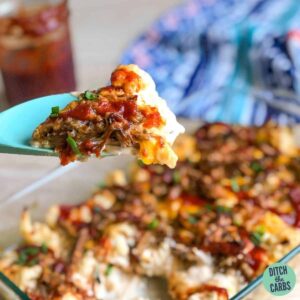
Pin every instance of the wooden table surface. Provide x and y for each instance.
(101, 30)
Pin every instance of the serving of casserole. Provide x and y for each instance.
(204, 230)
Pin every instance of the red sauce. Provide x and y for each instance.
(126, 108)
(66, 156)
(88, 111)
(193, 200)
(129, 81)
(222, 292)
(223, 248)
(153, 117)
(65, 211)
(89, 147)
(256, 257)
(82, 111)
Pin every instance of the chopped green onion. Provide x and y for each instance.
(44, 248)
(192, 220)
(256, 237)
(256, 167)
(176, 177)
(234, 185)
(22, 258)
(223, 209)
(140, 163)
(31, 251)
(101, 184)
(260, 229)
(29, 255)
(108, 270)
(96, 209)
(54, 111)
(237, 223)
(73, 145)
(153, 224)
(208, 207)
(90, 95)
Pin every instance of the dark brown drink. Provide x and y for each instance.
(35, 51)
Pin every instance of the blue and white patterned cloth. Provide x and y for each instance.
(235, 61)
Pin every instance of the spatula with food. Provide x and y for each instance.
(126, 116)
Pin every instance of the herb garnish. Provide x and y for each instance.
(54, 111)
(176, 177)
(28, 256)
(208, 207)
(101, 184)
(90, 95)
(44, 248)
(108, 270)
(192, 220)
(223, 209)
(73, 145)
(257, 235)
(256, 167)
(140, 163)
(234, 185)
(153, 224)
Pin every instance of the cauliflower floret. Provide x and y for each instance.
(275, 232)
(183, 280)
(82, 277)
(114, 283)
(69, 296)
(111, 285)
(40, 233)
(26, 277)
(208, 295)
(226, 281)
(52, 215)
(104, 199)
(287, 142)
(122, 237)
(116, 177)
(156, 261)
(7, 258)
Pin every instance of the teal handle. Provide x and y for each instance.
(12, 288)
(18, 123)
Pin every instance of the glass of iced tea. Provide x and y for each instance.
(35, 49)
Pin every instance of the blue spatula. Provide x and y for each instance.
(18, 123)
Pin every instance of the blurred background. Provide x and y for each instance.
(218, 60)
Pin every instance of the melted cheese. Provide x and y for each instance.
(155, 150)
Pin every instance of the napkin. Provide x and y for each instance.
(226, 60)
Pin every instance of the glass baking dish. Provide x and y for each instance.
(75, 183)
